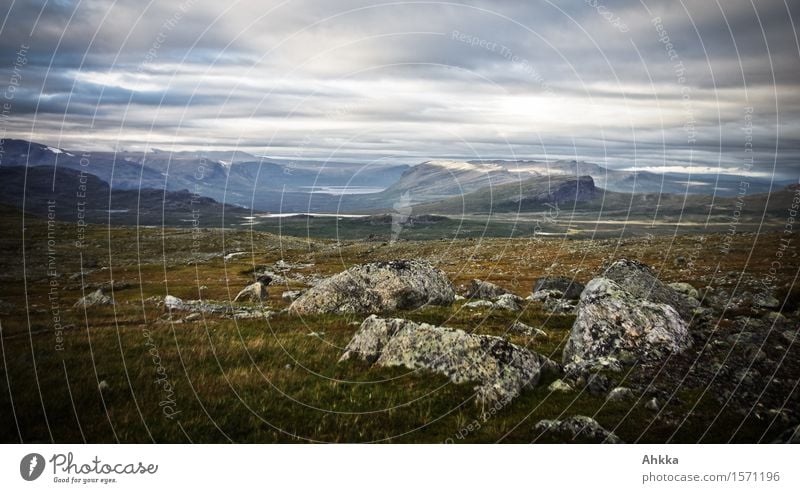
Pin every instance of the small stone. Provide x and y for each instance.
(192, 317)
(684, 288)
(597, 384)
(254, 293)
(652, 405)
(580, 429)
(560, 386)
(479, 304)
(618, 394)
(766, 301)
(484, 290)
(508, 302)
(103, 386)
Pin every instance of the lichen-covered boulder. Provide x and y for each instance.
(484, 290)
(500, 369)
(580, 429)
(254, 293)
(510, 302)
(637, 279)
(570, 289)
(95, 298)
(612, 322)
(378, 287)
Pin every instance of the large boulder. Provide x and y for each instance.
(580, 429)
(613, 322)
(501, 369)
(637, 279)
(484, 290)
(378, 287)
(255, 293)
(95, 298)
(570, 289)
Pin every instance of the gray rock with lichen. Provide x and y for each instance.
(570, 289)
(611, 321)
(510, 302)
(253, 293)
(95, 298)
(500, 369)
(484, 290)
(581, 429)
(639, 280)
(378, 287)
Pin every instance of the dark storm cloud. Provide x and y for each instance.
(588, 78)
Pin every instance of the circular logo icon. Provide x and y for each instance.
(31, 467)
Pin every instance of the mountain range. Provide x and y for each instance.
(246, 183)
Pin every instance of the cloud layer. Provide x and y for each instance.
(690, 84)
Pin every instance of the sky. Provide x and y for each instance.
(700, 86)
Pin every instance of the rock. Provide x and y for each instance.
(483, 290)
(685, 289)
(252, 314)
(560, 386)
(560, 306)
(789, 336)
(570, 289)
(177, 304)
(764, 300)
(192, 317)
(173, 302)
(508, 301)
(652, 405)
(103, 386)
(775, 317)
(254, 293)
(597, 384)
(290, 296)
(522, 328)
(458, 297)
(265, 279)
(620, 394)
(501, 369)
(637, 279)
(545, 295)
(95, 298)
(378, 287)
(612, 322)
(479, 304)
(581, 429)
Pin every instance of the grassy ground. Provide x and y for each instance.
(278, 380)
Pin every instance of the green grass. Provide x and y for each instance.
(269, 380)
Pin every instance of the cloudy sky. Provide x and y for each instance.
(652, 84)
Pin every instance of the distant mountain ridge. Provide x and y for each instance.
(285, 185)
